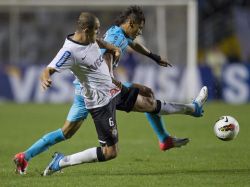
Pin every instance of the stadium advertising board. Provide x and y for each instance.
(22, 84)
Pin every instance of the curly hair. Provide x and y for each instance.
(133, 13)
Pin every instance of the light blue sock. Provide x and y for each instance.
(44, 143)
(158, 126)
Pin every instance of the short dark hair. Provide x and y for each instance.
(86, 20)
(133, 13)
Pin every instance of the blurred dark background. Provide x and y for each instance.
(31, 35)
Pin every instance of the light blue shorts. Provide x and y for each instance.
(78, 109)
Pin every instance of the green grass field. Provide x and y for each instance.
(205, 161)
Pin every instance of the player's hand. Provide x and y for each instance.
(164, 63)
(45, 79)
(159, 60)
(46, 83)
(117, 54)
(144, 90)
(116, 82)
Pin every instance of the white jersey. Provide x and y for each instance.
(87, 64)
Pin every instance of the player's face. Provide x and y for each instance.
(92, 34)
(135, 29)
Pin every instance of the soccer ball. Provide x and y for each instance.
(226, 128)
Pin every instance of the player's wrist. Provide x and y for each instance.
(116, 82)
(154, 57)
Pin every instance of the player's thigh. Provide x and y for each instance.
(127, 98)
(78, 110)
(144, 90)
(144, 104)
(105, 123)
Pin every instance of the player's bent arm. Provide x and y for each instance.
(115, 51)
(46, 77)
(139, 48)
(144, 51)
(144, 90)
(109, 61)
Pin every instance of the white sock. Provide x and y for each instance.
(176, 108)
(86, 156)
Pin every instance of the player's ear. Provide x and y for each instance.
(131, 23)
(85, 30)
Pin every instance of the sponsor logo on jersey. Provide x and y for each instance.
(97, 63)
(63, 59)
(114, 91)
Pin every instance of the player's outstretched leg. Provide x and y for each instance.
(94, 154)
(76, 115)
(44, 143)
(199, 102)
(194, 109)
(157, 124)
(21, 159)
(165, 140)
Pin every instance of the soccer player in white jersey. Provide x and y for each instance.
(78, 112)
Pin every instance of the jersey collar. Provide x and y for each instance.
(70, 39)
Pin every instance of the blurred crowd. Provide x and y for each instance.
(33, 36)
(224, 28)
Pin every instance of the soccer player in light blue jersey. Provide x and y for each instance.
(127, 27)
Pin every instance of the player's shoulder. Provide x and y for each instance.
(73, 46)
(115, 31)
(69, 44)
(67, 50)
(114, 34)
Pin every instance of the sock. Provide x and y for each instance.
(158, 126)
(176, 108)
(100, 155)
(44, 143)
(86, 156)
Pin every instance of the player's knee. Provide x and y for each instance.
(110, 152)
(150, 101)
(111, 155)
(71, 128)
(148, 104)
(68, 135)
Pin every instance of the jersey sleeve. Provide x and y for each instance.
(129, 40)
(117, 40)
(62, 61)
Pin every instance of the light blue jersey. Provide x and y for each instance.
(116, 36)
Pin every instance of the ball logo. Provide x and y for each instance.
(229, 127)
